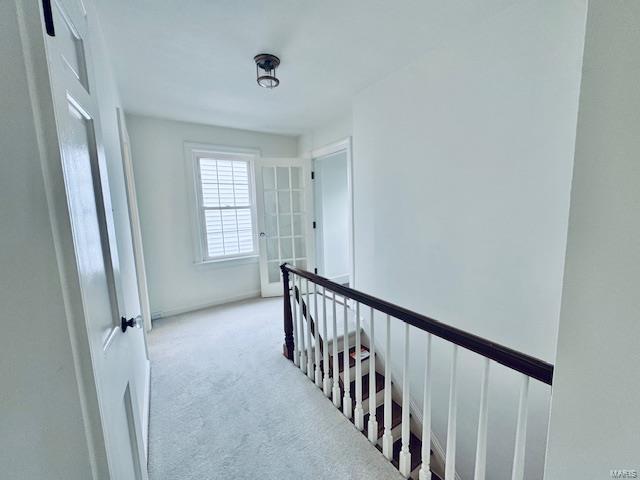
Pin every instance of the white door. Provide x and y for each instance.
(282, 220)
(117, 356)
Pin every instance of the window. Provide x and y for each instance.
(225, 200)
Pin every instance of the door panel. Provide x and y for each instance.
(281, 218)
(79, 166)
(70, 41)
(88, 199)
(123, 438)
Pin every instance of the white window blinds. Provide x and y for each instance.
(227, 207)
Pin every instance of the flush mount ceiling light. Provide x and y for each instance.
(266, 65)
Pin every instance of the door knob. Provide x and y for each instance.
(262, 235)
(132, 322)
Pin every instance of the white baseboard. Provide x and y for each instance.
(192, 308)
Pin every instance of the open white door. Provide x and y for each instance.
(118, 357)
(282, 218)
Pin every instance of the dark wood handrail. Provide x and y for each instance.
(526, 364)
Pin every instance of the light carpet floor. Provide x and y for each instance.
(225, 404)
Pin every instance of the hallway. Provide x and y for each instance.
(226, 404)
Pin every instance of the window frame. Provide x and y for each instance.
(194, 152)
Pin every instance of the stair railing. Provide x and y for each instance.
(301, 351)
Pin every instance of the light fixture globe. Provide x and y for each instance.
(266, 65)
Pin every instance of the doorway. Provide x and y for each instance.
(332, 201)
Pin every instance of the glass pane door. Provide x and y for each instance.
(283, 233)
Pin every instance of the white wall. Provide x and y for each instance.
(595, 421)
(332, 132)
(332, 205)
(462, 172)
(176, 284)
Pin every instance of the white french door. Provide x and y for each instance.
(118, 357)
(282, 218)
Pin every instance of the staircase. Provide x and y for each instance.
(323, 333)
(415, 444)
(317, 302)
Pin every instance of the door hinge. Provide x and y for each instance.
(48, 18)
(314, 224)
(313, 175)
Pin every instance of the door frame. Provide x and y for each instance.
(134, 219)
(344, 145)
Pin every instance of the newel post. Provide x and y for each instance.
(287, 348)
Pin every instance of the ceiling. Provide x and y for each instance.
(192, 60)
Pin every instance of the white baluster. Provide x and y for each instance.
(450, 462)
(373, 422)
(309, 343)
(335, 371)
(387, 437)
(481, 443)
(521, 431)
(425, 469)
(296, 345)
(301, 333)
(359, 411)
(405, 453)
(326, 380)
(346, 401)
(316, 324)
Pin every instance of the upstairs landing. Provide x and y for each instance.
(226, 404)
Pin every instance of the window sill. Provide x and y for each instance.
(227, 262)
